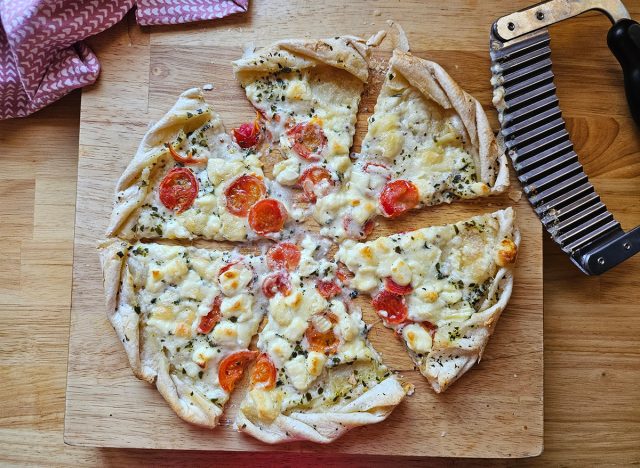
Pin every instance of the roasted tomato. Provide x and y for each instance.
(248, 134)
(354, 230)
(391, 307)
(328, 288)
(316, 182)
(178, 189)
(188, 159)
(397, 197)
(212, 318)
(396, 288)
(232, 367)
(243, 193)
(322, 340)
(284, 255)
(264, 373)
(308, 140)
(267, 216)
(277, 282)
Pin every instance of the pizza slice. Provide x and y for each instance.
(442, 289)
(428, 142)
(185, 317)
(307, 93)
(190, 179)
(316, 376)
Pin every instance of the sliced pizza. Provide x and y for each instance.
(442, 289)
(185, 317)
(307, 93)
(316, 376)
(190, 179)
(428, 142)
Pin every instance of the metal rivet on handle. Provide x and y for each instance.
(511, 26)
(540, 15)
(627, 245)
(601, 260)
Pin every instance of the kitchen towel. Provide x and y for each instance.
(42, 56)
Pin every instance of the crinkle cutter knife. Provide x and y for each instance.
(535, 135)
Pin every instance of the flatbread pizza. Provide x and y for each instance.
(428, 142)
(185, 317)
(190, 179)
(308, 94)
(317, 375)
(442, 289)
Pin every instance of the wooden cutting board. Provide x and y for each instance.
(496, 410)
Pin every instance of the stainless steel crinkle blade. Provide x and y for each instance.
(535, 133)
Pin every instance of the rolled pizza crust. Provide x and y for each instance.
(371, 407)
(445, 365)
(348, 53)
(436, 84)
(133, 186)
(150, 365)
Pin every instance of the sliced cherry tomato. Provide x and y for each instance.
(315, 181)
(308, 140)
(267, 216)
(277, 282)
(328, 289)
(396, 288)
(343, 274)
(188, 159)
(355, 230)
(391, 307)
(430, 327)
(178, 189)
(227, 267)
(248, 135)
(284, 255)
(398, 196)
(264, 373)
(243, 193)
(232, 367)
(212, 318)
(323, 342)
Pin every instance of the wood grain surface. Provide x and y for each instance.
(592, 366)
(503, 395)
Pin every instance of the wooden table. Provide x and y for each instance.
(592, 326)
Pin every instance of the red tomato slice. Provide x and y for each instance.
(247, 135)
(316, 182)
(398, 196)
(243, 193)
(393, 305)
(232, 367)
(430, 327)
(396, 288)
(284, 255)
(264, 373)
(277, 282)
(308, 140)
(212, 318)
(343, 274)
(323, 342)
(328, 289)
(267, 216)
(188, 159)
(178, 189)
(355, 230)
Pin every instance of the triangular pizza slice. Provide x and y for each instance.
(428, 142)
(190, 179)
(317, 376)
(442, 289)
(308, 92)
(186, 317)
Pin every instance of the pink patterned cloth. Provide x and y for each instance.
(42, 57)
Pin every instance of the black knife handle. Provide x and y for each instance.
(624, 42)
